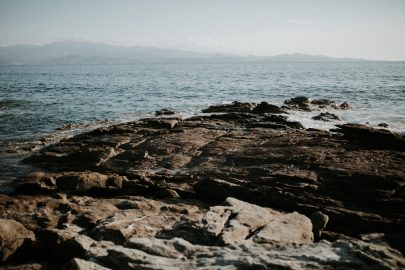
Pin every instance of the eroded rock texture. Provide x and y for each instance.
(239, 188)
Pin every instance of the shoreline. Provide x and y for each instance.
(241, 181)
(15, 151)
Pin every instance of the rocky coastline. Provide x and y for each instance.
(238, 187)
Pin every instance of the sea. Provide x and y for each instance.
(40, 105)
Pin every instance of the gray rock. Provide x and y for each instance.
(233, 222)
(287, 229)
(238, 222)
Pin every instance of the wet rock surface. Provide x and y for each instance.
(164, 112)
(326, 117)
(302, 103)
(239, 188)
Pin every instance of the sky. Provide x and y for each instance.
(369, 29)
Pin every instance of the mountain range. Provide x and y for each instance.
(78, 52)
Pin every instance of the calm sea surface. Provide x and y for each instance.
(35, 100)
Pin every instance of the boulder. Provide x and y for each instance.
(237, 222)
(327, 117)
(285, 229)
(243, 220)
(297, 103)
(265, 107)
(12, 235)
(299, 100)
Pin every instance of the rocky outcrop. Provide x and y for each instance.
(239, 188)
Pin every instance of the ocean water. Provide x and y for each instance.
(36, 100)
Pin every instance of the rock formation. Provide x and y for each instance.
(238, 188)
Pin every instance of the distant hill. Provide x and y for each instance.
(298, 57)
(69, 53)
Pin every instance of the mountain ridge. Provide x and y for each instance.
(80, 52)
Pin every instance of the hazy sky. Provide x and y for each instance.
(373, 29)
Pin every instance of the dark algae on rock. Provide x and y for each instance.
(240, 187)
